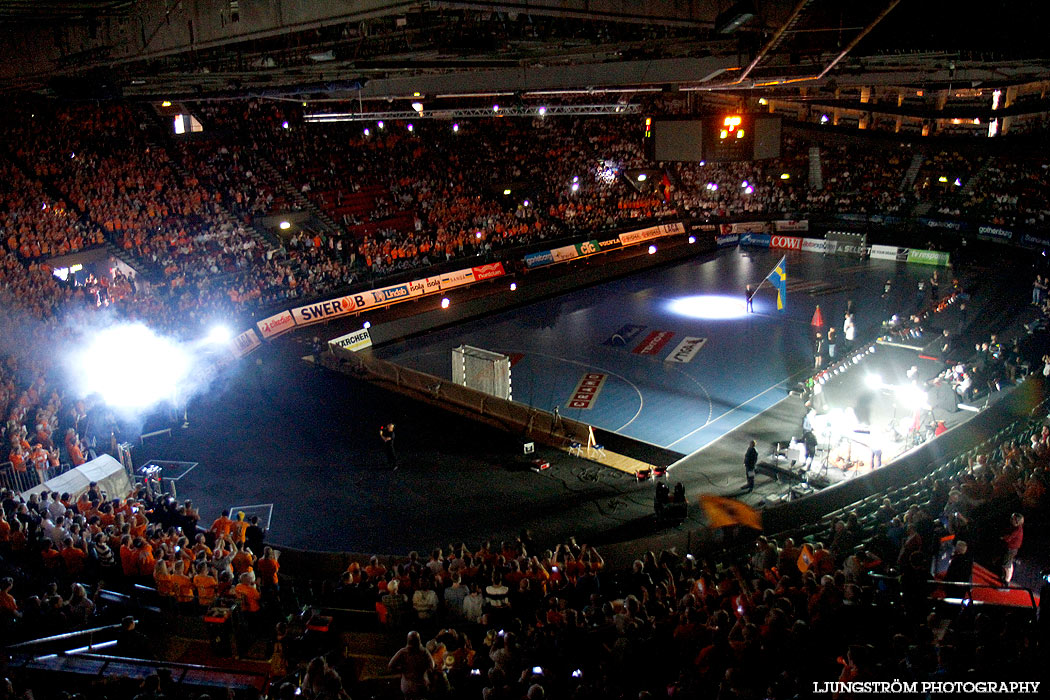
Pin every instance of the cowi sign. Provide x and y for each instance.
(358, 340)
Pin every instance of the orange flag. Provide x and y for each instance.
(721, 512)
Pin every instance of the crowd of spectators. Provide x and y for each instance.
(406, 198)
(513, 619)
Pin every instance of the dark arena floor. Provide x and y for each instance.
(299, 446)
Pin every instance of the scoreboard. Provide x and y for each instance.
(728, 137)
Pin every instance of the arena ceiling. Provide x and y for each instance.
(376, 49)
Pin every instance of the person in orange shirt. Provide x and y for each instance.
(266, 568)
(242, 561)
(162, 579)
(206, 585)
(183, 584)
(240, 525)
(247, 594)
(222, 526)
(74, 557)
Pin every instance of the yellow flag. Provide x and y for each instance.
(721, 512)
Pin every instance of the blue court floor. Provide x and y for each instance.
(670, 356)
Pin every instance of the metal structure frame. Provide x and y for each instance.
(476, 113)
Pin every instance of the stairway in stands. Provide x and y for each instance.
(913, 171)
(328, 225)
(157, 135)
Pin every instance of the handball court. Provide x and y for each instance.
(299, 446)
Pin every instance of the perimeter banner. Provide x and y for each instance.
(276, 325)
(790, 225)
(544, 257)
(487, 272)
(785, 242)
(759, 240)
(324, 310)
(646, 234)
(889, 252)
(245, 343)
(358, 340)
(927, 257)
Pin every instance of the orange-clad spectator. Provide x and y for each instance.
(144, 559)
(375, 570)
(5, 531)
(183, 584)
(242, 560)
(222, 526)
(8, 604)
(74, 557)
(51, 557)
(128, 557)
(247, 594)
(267, 567)
(162, 579)
(206, 585)
(239, 527)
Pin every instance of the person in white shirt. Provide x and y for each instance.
(849, 330)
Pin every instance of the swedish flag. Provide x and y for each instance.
(778, 278)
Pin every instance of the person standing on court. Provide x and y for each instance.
(750, 464)
(386, 434)
(750, 295)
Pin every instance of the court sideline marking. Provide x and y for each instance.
(736, 408)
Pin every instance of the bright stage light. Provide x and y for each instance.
(445, 302)
(455, 128)
(543, 111)
(575, 187)
(692, 239)
(366, 325)
(284, 125)
(712, 307)
(368, 132)
(219, 335)
(642, 177)
(513, 286)
(652, 250)
(130, 366)
(418, 106)
(873, 381)
(284, 225)
(410, 127)
(380, 124)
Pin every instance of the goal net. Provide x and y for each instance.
(482, 370)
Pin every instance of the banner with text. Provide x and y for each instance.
(245, 343)
(652, 232)
(889, 252)
(276, 325)
(927, 257)
(758, 240)
(785, 243)
(358, 340)
(790, 225)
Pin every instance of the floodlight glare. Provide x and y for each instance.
(219, 335)
(873, 381)
(692, 240)
(714, 307)
(130, 366)
(445, 302)
(652, 249)
(285, 225)
(642, 177)
(366, 325)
